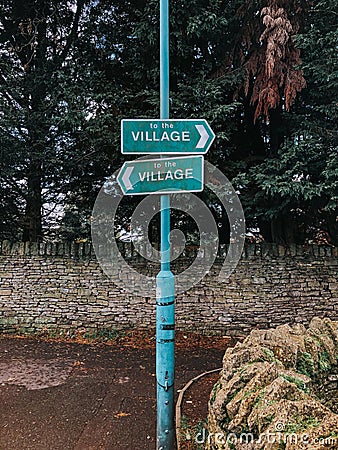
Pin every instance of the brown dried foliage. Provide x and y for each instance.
(279, 57)
(267, 49)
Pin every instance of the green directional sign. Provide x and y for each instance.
(165, 175)
(180, 136)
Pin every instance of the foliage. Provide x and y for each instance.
(262, 72)
(297, 381)
(39, 112)
(290, 189)
(305, 364)
(301, 424)
(267, 50)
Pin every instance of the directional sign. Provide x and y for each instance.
(184, 136)
(166, 175)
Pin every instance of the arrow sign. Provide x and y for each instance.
(165, 175)
(180, 136)
(126, 178)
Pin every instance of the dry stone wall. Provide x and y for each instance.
(62, 286)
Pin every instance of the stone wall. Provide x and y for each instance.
(62, 286)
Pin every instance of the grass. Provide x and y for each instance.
(193, 437)
(98, 335)
(104, 334)
(297, 381)
(301, 424)
(324, 362)
(214, 391)
(305, 364)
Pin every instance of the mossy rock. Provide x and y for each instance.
(269, 384)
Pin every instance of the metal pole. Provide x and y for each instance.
(165, 290)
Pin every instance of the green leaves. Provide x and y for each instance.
(62, 99)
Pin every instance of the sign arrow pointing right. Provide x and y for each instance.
(204, 136)
(166, 136)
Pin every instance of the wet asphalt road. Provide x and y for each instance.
(65, 396)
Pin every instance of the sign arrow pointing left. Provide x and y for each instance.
(164, 175)
(126, 178)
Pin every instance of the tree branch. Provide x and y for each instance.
(72, 34)
(326, 11)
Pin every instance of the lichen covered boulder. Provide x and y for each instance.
(278, 390)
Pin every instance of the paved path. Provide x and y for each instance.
(58, 396)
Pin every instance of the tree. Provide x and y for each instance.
(262, 72)
(50, 94)
(286, 166)
(195, 44)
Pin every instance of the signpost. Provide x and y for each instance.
(165, 285)
(178, 136)
(163, 176)
(166, 175)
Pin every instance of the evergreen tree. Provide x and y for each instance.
(49, 97)
(262, 72)
(286, 166)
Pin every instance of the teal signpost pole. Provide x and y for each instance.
(165, 289)
(163, 176)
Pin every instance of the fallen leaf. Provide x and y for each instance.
(122, 414)
(77, 363)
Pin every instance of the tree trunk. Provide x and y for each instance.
(37, 125)
(332, 227)
(32, 229)
(283, 230)
(276, 130)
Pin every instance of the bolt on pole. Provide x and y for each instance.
(165, 286)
